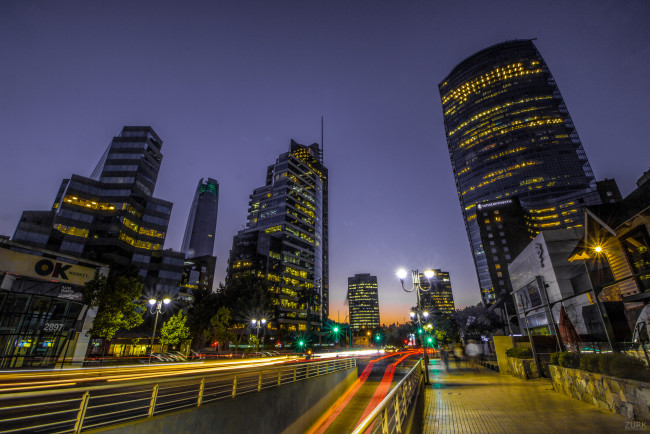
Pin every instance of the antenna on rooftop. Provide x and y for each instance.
(322, 144)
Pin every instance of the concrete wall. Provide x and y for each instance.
(501, 344)
(525, 369)
(628, 398)
(290, 408)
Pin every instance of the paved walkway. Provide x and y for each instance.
(461, 401)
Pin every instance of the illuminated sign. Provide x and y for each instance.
(488, 205)
(44, 268)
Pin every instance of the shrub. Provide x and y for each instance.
(569, 360)
(590, 362)
(622, 366)
(554, 358)
(520, 353)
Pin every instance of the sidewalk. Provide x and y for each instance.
(461, 401)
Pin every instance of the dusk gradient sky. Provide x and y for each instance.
(228, 84)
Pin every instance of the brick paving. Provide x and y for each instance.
(461, 401)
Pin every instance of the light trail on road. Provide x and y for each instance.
(328, 417)
(39, 380)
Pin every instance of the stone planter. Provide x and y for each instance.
(525, 369)
(628, 398)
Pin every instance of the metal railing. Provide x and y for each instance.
(389, 416)
(84, 408)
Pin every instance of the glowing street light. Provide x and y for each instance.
(156, 307)
(419, 285)
(258, 324)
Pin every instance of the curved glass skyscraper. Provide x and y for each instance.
(509, 134)
(202, 221)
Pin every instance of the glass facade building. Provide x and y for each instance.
(509, 134)
(202, 221)
(363, 302)
(286, 239)
(439, 300)
(112, 217)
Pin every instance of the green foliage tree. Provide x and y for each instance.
(477, 321)
(205, 305)
(254, 341)
(220, 326)
(174, 330)
(245, 295)
(445, 330)
(117, 299)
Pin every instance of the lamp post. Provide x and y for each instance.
(419, 313)
(156, 307)
(259, 323)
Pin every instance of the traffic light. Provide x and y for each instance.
(336, 329)
(301, 343)
(430, 339)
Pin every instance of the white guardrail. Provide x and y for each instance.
(389, 416)
(75, 409)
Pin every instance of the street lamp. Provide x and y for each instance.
(258, 324)
(418, 313)
(156, 306)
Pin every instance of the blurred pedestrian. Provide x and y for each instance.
(444, 355)
(473, 352)
(459, 352)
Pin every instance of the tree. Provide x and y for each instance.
(175, 330)
(254, 341)
(245, 295)
(220, 326)
(477, 321)
(445, 330)
(117, 299)
(204, 306)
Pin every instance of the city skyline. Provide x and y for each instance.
(229, 84)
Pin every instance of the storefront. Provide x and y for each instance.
(43, 321)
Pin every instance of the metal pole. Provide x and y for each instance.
(424, 345)
(597, 303)
(155, 323)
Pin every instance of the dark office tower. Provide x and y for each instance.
(505, 232)
(286, 239)
(112, 216)
(363, 301)
(202, 222)
(608, 191)
(509, 133)
(439, 300)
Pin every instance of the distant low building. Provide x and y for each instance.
(439, 300)
(363, 302)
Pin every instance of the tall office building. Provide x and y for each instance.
(202, 221)
(286, 239)
(509, 134)
(112, 216)
(439, 300)
(363, 302)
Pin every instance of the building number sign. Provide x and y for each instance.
(53, 327)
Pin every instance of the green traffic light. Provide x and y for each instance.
(336, 329)
(430, 340)
(301, 343)
(420, 331)
(377, 337)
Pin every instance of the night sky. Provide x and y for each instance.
(228, 84)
